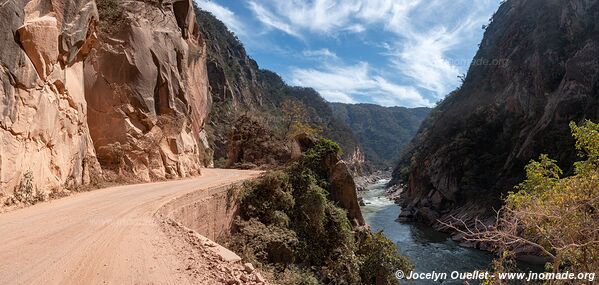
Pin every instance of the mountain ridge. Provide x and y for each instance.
(473, 146)
(382, 132)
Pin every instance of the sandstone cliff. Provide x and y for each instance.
(43, 130)
(536, 70)
(122, 83)
(146, 88)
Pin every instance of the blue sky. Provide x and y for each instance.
(387, 52)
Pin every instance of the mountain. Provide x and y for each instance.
(240, 89)
(381, 131)
(536, 70)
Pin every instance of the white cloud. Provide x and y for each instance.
(225, 15)
(343, 83)
(271, 20)
(421, 34)
(329, 16)
(324, 53)
(422, 54)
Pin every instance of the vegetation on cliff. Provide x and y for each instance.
(542, 74)
(560, 214)
(240, 89)
(381, 131)
(551, 215)
(289, 222)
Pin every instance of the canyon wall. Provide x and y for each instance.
(96, 87)
(146, 88)
(381, 131)
(44, 128)
(537, 69)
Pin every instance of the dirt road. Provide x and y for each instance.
(107, 236)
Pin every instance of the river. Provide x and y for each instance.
(428, 249)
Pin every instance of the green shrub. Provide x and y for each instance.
(268, 199)
(558, 214)
(297, 276)
(288, 219)
(379, 258)
(268, 243)
(26, 192)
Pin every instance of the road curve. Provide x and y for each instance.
(107, 236)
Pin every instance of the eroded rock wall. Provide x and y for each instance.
(146, 86)
(537, 70)
(43, 129)
(91, 88)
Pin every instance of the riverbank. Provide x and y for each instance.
(428, 249)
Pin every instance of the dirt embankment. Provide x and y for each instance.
(194, 222)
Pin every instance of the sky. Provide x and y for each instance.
(388, 52)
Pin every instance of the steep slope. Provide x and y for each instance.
(146, 88)
(240, 88)
(381, 131)
(96, 90)
(536, 70)
(43, 128)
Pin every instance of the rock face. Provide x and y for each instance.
(146, 87)
(536, 70)
(343, 190)
(43, 126)
(123, 83)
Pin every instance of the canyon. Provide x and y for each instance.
(99, 93)
(536, 71)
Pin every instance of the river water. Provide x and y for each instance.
(428, 249)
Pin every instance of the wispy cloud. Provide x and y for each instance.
(323, 53)
(225, 15)
(421, 35)
(271, 20)
(344, 83)
(421, 54)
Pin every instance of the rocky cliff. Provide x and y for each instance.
(536, 70)
(44, 130)
(146, 88)
(381, 131)
(92, 85)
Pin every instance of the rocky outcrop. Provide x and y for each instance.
(86, 85)
(344, 192)
(147, 92)
(43, 126)
(537, 69)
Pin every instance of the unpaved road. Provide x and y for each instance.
(107, 236)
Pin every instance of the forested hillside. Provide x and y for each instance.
(381, 131)
(240, 89)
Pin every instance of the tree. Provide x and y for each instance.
(296, 119)
(557, 216)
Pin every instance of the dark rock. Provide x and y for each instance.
(344, 192)
(427, 214)
(473, 147)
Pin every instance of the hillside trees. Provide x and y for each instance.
(555, 216)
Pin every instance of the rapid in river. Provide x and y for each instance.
(429, 250)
